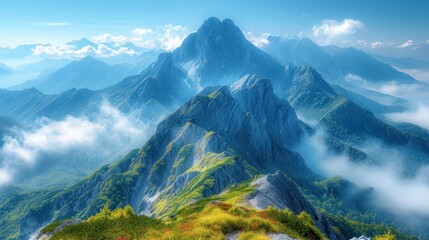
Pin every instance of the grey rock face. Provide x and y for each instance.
(280, 191)
(218, 54)
(279, 236)
(249, 116)
(274, 236)
(45, 236)
(361, 238)
(162, 86)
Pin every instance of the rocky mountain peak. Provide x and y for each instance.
(213, 27)
(251, 82)
(219, 54)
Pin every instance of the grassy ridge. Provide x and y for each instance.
(215, 220)
(213, 217)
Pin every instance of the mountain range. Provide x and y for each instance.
(230, 114)
(85, 73)
(28, 51)
(334, 63)
(4, 69)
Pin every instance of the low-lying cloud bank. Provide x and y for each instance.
(405, 196)
(415, 93)
(74, 145)
(419, 116)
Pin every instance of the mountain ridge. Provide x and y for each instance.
(84, 73)
(332, 62)
(208, 150)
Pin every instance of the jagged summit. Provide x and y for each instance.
(220, 38)
(165, 70)
(213, 27)
(249, 81)
(250, 115)
(218, 53)
(163, 76)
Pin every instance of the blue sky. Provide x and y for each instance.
(387, 22)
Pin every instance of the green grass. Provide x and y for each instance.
(326, 196)
(16, 206)
(116, 224)
(184, 153)
(209, 218)
(351, 228)
(51, 227)
(213, 220)
(194, 190)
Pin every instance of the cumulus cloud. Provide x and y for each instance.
(71, 51)
(360, 43)
(406, 44)
(53, 136)
(333, 28)
(167, 37)
(108, 38)
(257, 40)
(173, 36)
(394, 192)
(142, 31)
(378, 44)
(75, 145)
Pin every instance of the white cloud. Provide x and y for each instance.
(167, 37)
(394, 193)
(172, 36)
(142, 31)
(404, 196)
(258, 41)
(5, 176)
(406, 44)
(416, 95)
(422, 75)
(361, 43)
(55, 24)
(333, 28)
(51, 137)
(87, 141)
(419, 116)
(378, 44)
(108, 38)
(398, 90)
(72, 52)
